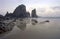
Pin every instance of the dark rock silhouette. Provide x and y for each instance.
(9, 16)
(2, 18)
(33, 14)
(20, 11)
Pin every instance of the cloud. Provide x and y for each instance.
(49, 12)
(56, 8)
(41, 9)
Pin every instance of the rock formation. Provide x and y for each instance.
(20, 11)
(33, 14)
(2, 18)
(9, 15)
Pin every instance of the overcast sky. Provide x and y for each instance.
(43, 7)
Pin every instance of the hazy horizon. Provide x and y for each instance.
(44, 8)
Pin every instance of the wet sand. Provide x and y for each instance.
(49, 30)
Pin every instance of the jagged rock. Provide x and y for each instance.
(33, 14)
(6, 26)
(20, 11)
(2, 18)
(9, 16)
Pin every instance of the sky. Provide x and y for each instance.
(44, 8)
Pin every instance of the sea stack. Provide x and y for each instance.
(20, 11)
(33, 14)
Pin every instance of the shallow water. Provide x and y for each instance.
(41, 30)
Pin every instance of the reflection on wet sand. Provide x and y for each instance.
(8, 25)
(34, 21)
(41, 30)
(21, 24)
